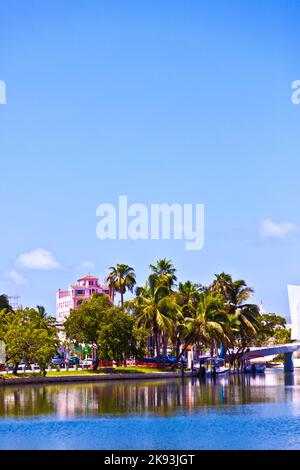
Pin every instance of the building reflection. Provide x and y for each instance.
(160, 398)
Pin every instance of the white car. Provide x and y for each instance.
(87, 362)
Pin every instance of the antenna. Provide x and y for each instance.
(14, 302)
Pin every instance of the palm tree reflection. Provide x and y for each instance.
(160, 398)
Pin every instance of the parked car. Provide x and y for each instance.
(24, 366)
(74, 361)
(149, 360)
(57, 361)
(169, 359)
(87, 362)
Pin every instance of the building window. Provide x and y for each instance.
(79, 292)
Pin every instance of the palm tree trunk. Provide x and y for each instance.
(165, 345)
(157, 347)
(177, 353)
(122, 299)
(112, 294)
(96, 360)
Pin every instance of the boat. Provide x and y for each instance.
(255, 368)
(215, 366)
(273, 365)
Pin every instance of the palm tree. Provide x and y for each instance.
(222, 284)
(42, 311)
(163, 273)
(235, 292)
(121, 278)
(245, 318)
(155, 310)
(209, 326)
(188, 296)
(249, 320)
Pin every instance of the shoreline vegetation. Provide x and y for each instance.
(89, 376)
(164, 316)
(89, 372)
(55, 377)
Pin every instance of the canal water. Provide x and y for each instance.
(237, 412)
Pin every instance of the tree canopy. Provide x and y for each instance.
(164, 314)
(28, 336)
(121, 278)
(110, 330)
(4, 303)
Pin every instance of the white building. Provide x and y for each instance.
(83, 290)
(294, 301)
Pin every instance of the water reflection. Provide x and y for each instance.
(289, 378)
(161, 398)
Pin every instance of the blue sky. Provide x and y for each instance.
(161, 101)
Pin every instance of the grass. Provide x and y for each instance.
(143, 370)
(63, 372)
(14, 376)
(109, 370)
(103, 371)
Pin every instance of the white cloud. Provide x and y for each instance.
(38, 259)
(268, 228)
(16, 277)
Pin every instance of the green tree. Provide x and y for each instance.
(83, 324)
(155, 310)
(42, 311)
(207, 327)
(234, 292)
(247, 328)
(117, 337)
(188, 296)
(163, 274)
(274, 329)
(121, 278)
(244, 319)
(109, 329)
(282, 335)
(272, 320)
(28, 336)
(4, 303)
(187, 299)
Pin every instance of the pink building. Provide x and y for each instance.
(75, 295)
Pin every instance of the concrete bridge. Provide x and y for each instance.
(286, 349)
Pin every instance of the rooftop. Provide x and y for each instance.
(88, 278)
(78, 286)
